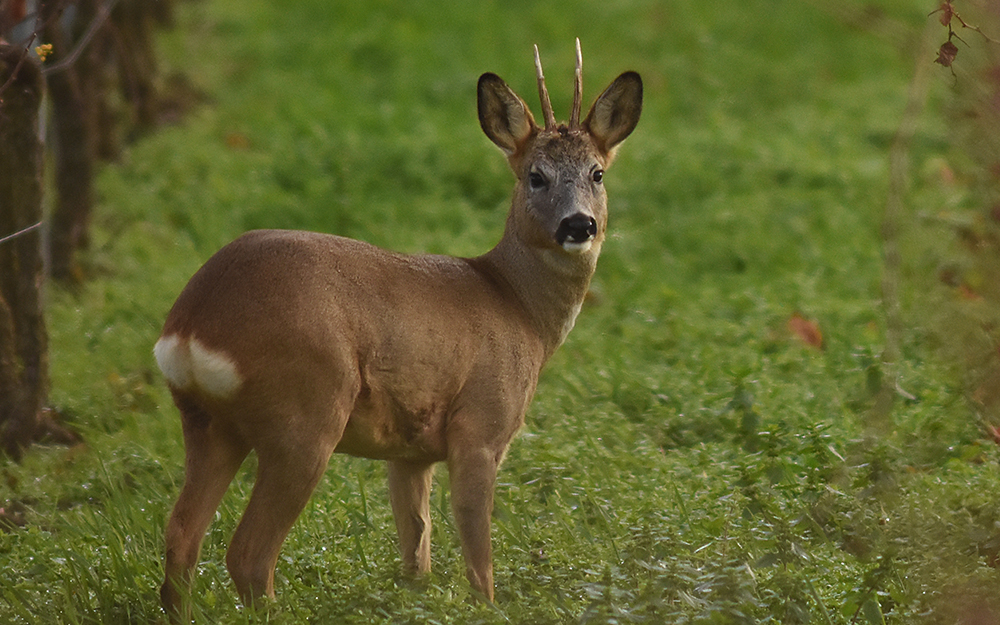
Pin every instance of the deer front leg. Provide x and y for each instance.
(410, 493)
(472, 473)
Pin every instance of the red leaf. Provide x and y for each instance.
(966, 292)
(237, 141)
(947, 12)
(806, 331)
(946, 54)
(994, 433)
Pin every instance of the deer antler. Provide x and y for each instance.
(543, 94)
(574, 119)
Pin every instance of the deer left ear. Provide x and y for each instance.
(615, 113)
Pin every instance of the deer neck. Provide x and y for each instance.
(549, 283)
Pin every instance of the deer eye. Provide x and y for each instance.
(598, 175)
(536, 180)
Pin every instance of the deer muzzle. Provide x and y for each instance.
(576, 233)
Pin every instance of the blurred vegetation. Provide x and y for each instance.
(965, 316)
(698, 450)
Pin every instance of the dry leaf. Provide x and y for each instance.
(947, 12)
(237, 141)
(946, 54)
(966, 292)
(806, 331)
(994, 433)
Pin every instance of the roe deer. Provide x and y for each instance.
(298, 345)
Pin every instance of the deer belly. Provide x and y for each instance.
(385, 429)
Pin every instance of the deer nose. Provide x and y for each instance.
(578, 228)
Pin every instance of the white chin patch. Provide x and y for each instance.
(577, 247)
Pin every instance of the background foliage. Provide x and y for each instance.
(699, 451)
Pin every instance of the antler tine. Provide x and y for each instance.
(543, 94)
(574, 119)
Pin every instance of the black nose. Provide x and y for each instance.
(576, 229)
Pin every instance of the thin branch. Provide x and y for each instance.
(24, 54)
(948, 12)
(24, 231)
(95, 24)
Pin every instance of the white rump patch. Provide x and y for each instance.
(214, 372)
(173, 360)
(187, 363)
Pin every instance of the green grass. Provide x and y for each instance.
(686, 460)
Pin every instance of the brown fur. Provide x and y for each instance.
(298, 345)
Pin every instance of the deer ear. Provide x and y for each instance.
(504, 116)
(615, 112)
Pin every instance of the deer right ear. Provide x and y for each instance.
(504, 116)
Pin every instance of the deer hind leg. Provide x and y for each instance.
(472, 473)
(409, 494)
(213, 455)
(287, 474)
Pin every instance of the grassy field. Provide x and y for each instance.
(688, 458)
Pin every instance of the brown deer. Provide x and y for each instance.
(298, 345)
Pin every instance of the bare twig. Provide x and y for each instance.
(21, 232)
(95, 24)
(947, 11)
(24, 54)
(948, 50)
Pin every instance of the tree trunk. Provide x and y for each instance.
(13, 417)
(96, 70)
(74, 148)
(23, 339)
(134, 21)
